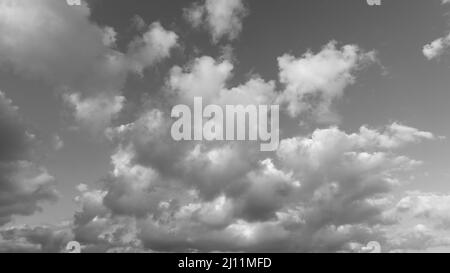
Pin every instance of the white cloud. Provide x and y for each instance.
(313, 81)
(436, 48)
(317, 193)
(24, 185)
(419, 222)
(42, 37)
(439, 46)
(51, 239)
(153, 46)
(328, 191)
(49, 39)
(203, 78)
(223, 18)
(57, 142)
(95, 113)
(208, 78)
(431, 207)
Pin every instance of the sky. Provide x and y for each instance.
(86, 153)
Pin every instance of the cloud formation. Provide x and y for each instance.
(313, 81)
(51, 40)
(95, 113)
(436, 48)
(22, 239)
(24, 185)
(328, 191)
(439, 46)
(222, 18)
(323, 190)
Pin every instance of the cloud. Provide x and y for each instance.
(431, 207)
(325, 192)
(344, 177)
(313, 81)
(436, 48)
(57, 142)
(47, 239)
(95, 113)
(439, 46)
(208, 79)
(203, 78)
(23, 183)
(152, 47)
(421, 223)
(40, 38)
(222, 18)
(50, 40)
(96, 230)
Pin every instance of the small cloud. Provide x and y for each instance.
(57, 143)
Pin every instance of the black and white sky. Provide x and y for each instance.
(85, 147)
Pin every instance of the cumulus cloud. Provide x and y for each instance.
(432, 207)
(437, 47)
(222, 18)
(153, 46)
(95, 113)
(313, 81)
(42, 37)
(325, 192)
(208, 78)
(23, 183)
(47, 239)
(57, 142)
(203, 78)
(96, 230)
(51, 40)
(421, 223)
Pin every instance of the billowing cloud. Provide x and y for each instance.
(222, 18)
(313, 81)
(43, 37)
(432, 207)
(422, 223)
(208, 79)
(437, 47)
(203, 78)
(95, 113)
(51, 40)
(97, 231)
(325, 192)
(23, 183)
(321, 190)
